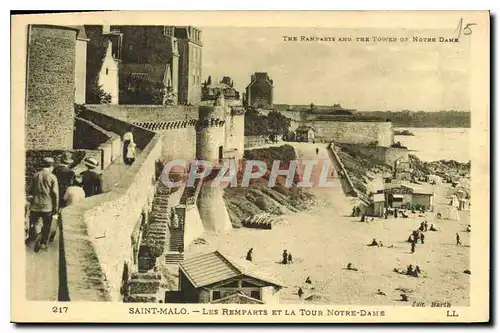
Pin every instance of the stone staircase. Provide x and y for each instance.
(176, 240)
(175, 252)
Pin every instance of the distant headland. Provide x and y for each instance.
(404, 118)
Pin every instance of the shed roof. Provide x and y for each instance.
(213, 267)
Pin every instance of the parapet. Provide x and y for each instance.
(211, 112)
(166, 125)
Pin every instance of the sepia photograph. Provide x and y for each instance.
(203, 171)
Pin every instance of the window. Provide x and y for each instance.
(255, 294)
(215, 295)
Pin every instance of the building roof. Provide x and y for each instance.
(304, 128)
(417, 189)
(259, 76)
(152, 73)
(81, 32)
(213, 267)
(237, 298)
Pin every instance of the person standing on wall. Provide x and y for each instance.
(128, 137)
(91, 179)
(130, 155)
(44, 202)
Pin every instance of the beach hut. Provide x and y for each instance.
(447, 213)
(378, 204)
(218, 278)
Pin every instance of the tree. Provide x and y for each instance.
(170, 96)
(97, 95)
(255, 123)
(277, 123)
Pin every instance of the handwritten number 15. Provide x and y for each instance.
(467, 28)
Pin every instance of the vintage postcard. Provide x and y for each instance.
(251, 167)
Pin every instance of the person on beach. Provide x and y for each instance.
(410, 239)
(285, 257)
(468, 228)
(379, 292)
(422, 237)
(417, 269)
(458, 239)
(409, 270)
(351, 268)
(308, 280)
(317, 151)
(413, 247)
(358, 211)
(432, 228)
(363, 218)
(249, 254)
(425, 225)
(395, 213)
(290, 258)
(300, 292)
(373, 243)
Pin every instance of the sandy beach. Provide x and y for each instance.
(324, 239)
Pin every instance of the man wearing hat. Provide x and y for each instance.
(44, 200)
(91, 179)
(65, 176)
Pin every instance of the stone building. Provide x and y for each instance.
(150, 65)
(211, 90)
(190, 60)
(176, 49)
(259, 93)
(103, 58)
(50, 88)
(305, 133)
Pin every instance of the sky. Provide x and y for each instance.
(364, 76)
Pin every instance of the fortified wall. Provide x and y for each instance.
(177, 124)
(382, 155)
(93, 264)
(353, 131)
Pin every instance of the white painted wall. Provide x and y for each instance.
(108, 76)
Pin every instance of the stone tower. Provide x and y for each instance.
(50, 88)
(210, 147)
